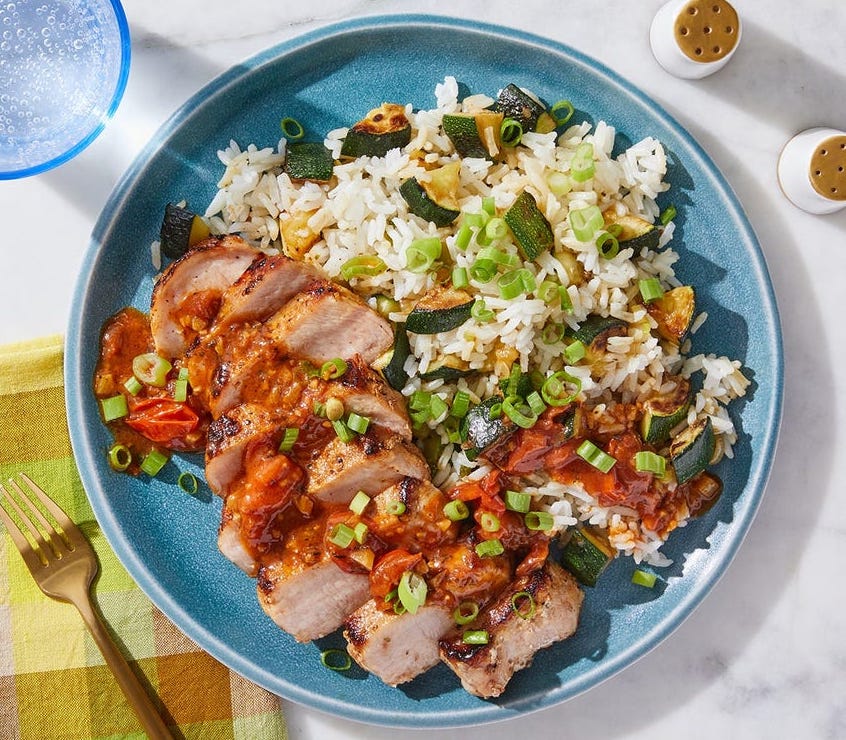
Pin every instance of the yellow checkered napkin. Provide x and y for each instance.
(53, 681)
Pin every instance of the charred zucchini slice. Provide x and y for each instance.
(382, 129)
(449, 368)
(421, 204)
(309, 160)
(586, 555)
(441, 309)
(635, 233)
(595, 331)
(529, 226)
(662, 415)
(480, 429)
(692, 450)
(532, 115)
(181, 230)
(674, 312)
(476, 134)
(392, 363)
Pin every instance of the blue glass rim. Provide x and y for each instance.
(117, 96)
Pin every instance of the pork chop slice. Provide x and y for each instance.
(396, 647)
(186, 297)
(370, 462)
(513, 640)
(326, 321)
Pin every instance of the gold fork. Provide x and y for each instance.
(63, 564)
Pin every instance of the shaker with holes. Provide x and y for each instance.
(812, 170)
(694, 38)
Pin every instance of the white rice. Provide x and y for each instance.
(361, 212)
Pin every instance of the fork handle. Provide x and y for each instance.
(132, 688)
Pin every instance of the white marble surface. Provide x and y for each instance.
(765, 654)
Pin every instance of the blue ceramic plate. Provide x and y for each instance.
(328, 78)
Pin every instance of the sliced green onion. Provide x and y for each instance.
(574, 352)
(336, 660)
(395, 507)
(456, 510)
(459, 277)
(644, 578)
(151, 369)
(180, 390)
(513, 382)
(496, 228)
(187, 481)
(510, 132)
(592, 454)
(536, 403)
(358, 423)
(412, 590)
(475, 637)
(489, 521)
(114, 407)
(420, 400)
(559, 183)
(548, 291)
(133, 386)
(519, 602)
(120, 457)
(182, 374)
(437, 407)
(650, 462)
(480, 312)
(554, 390)
(561, 112)
(539, 521)
(289, 439)
(521, 414)
(422, 253)
(476, 220)
(494, 411)
(360, 532)
(483, 270)
(319, 409)
(489, 205)
(552, 333)
(667, 215)
(465, 612)
(489, 548)
(333, 409)
(359, 503)
(499, 256)
(650, 289)
(153, 462)
(342, 535)
(332, 369)
(460, 405)
(462, 238)
(342, 431)
(510, 285)
(566, 301)
(386, 305)
(585, 222)
(607, 245)
(581, 166)
(518, 501)
(390, 596)
(366, 265)
(292, 128)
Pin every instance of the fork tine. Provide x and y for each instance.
(70, 530)
(33, 559)
(52, 536)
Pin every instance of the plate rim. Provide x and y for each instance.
(487, 712)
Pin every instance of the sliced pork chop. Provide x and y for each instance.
(371, 463)
(396, 647)
(513, 640)
(326, 321)
(231, 543)
(186, 298)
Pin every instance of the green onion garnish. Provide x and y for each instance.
(153, 462)
(363, 266)
(496, 228)
(561, 112)
(289, 439)
(489, 548)
(395, 507)
(292, 128)
(566, 301)
(480, 312)
(465, 612)
(456, 510)
(462, 238)
(644, 578)
(510, 132)
(592, 454)
(114, 407)
(574, 352)
(399, 608)
(342, 535)
(359, 503)
(476, 220)
(483, 270)
(494, 411)
(119, 457)
(554, 390)
(650, 289)
(358, 423)
(518, 501)
(319, 409)
(521, 414)
(182, 374)
(386, 305)
(133, 386)
(536, 403)
(459, 277)
(420, 400)
(489, 521)
(422, 253)
(539, 521)
(475, 637)
(437, 407)
(332, 369)
(585, 222)
(180, 390)
(336, 660)
(548, 291)
(510, 285)
(559, 183)
(342, 431)
(667, 215)
(489, 205)
(523, 604)
(151, 369)
(552, 333)
(607, 245)
(187, 482)
(460, 405)
(581, 166)
(412, 590)
(650, 462)
(360, 532)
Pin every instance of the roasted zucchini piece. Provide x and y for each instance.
(595, 331)
(421, 204)
(392, 363)
(662, 415)
(309, 160)
(586, 554)
(384, 128)
(635, 233)
(532, 115)
(443, 308)
(674, 313)
(692, 450)
(480, 430)
(474, 134)
(529, 226)
(448, 368)
(181, 229)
